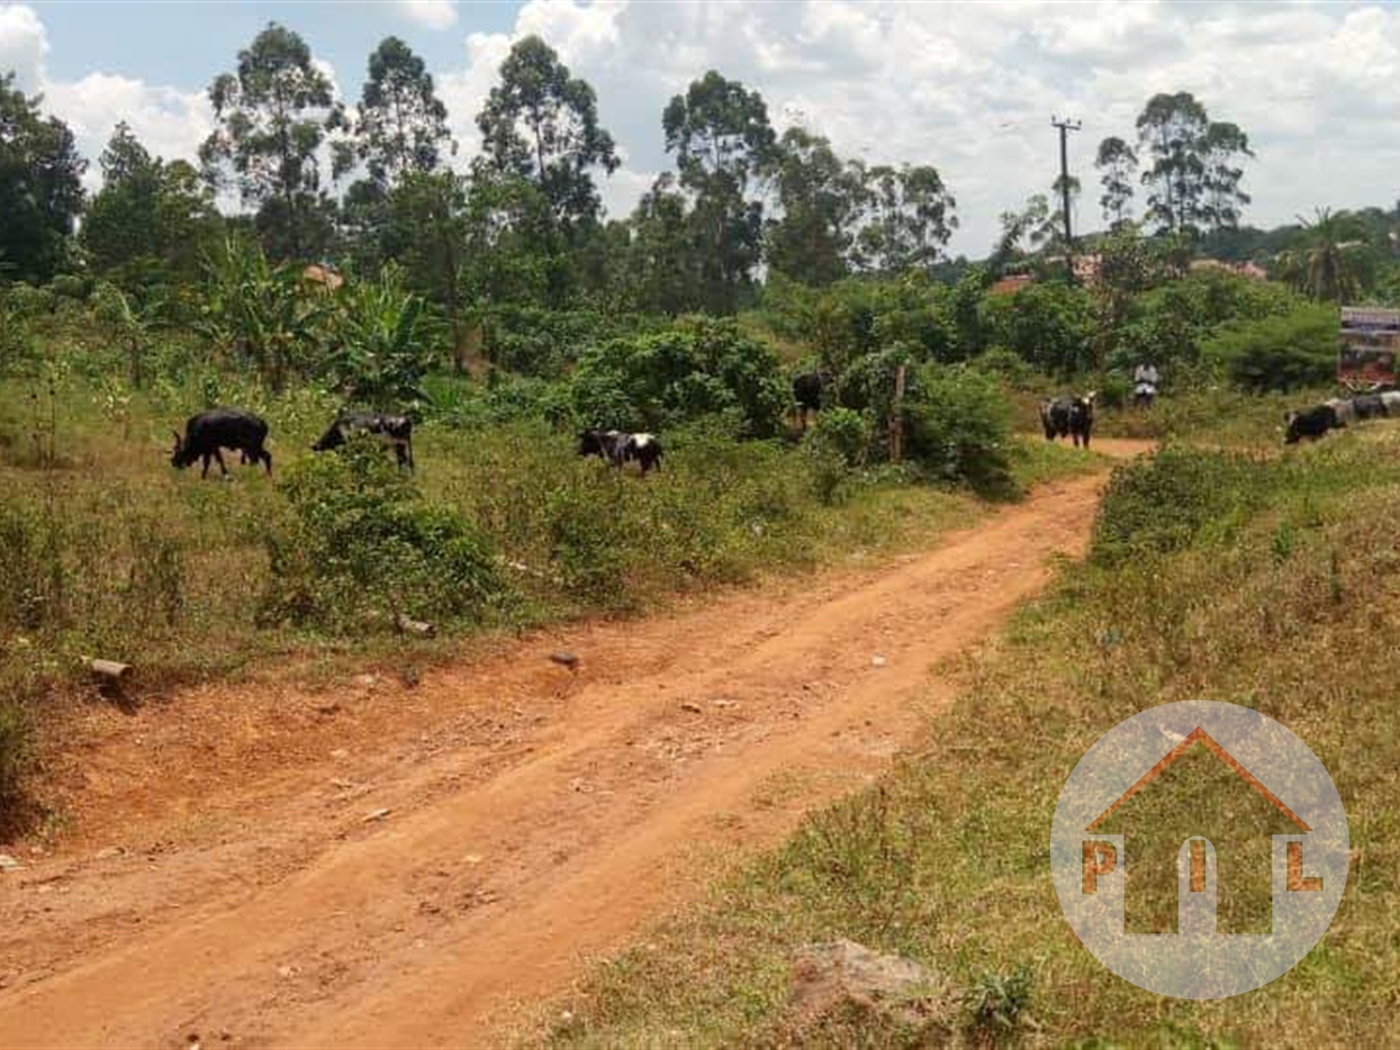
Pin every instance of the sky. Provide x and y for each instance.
(968, 88)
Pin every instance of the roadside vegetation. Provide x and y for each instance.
(1260, 580)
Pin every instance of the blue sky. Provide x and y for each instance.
(969, 88)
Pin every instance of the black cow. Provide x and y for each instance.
(1067, 416)
(221, 428)
(618, 447)
(394, 431)
(807, 390)
(1312, 423)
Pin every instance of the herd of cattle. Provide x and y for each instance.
(209, 433)
(1338, 413)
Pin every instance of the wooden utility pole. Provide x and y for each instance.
(1066, 126)
(897, 418)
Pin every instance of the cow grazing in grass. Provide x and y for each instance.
(394, 431)
(1068, 416)
(208, 433)
(807, 390)
(1312, 423)
(1369, 406)
(618, 447)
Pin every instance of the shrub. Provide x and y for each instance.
(1161, 504)
(957, 426)
(700, 366)
(1046, 323)
(1285, 353)
(1006, 365)
(844, 431)
(360, 545)
(16, 757)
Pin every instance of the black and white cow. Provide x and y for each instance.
(221, 428)
(1068, 416)
(394, 431)
(1312, 423)
(618, 447)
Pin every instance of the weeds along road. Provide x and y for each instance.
(404, 868)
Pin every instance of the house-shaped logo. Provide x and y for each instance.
(1199, 849)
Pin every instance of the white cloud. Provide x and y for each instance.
(968, 88)
(23, 44)
(430, 14)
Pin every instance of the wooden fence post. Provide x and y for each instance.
(897, 418)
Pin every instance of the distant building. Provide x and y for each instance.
(1251, 270)
(1010, 284)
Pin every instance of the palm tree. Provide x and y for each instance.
(1327, 267)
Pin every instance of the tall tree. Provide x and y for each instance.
(402, 124)
(540, 124)
(150, 220)
(1193, 178)
(41, 191)
(1224, 144)
(819, 198)
(662, 263)
(724, 144)
(909, 219)
(1329, 263)
(274, 114)
(1117, 164)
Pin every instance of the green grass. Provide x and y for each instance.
(110, 552)
(1280, 594)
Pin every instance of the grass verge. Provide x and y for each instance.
(1267, 582)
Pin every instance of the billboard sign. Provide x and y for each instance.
(1370, 343)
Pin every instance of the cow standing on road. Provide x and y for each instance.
(208, 433)
(1068, 416)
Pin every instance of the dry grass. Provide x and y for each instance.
(1285, 599)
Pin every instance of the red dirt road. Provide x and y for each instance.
(385, 866)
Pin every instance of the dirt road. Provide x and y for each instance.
(390, 865)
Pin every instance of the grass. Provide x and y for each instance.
(111, 552)
(1279, 593)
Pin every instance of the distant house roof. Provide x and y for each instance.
(1010, 284)
(1251, 270)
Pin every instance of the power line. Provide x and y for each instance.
(1066, 126)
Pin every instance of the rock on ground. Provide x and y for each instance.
(832, 977)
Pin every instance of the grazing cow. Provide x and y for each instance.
(617, 447)
(394, 431)
(1312, 423)
(1369, 406)
(1068, 416)
(208, 433)
(807, 390)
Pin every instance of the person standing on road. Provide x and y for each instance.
(1145, 380)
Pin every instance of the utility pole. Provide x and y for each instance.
(1066, 126)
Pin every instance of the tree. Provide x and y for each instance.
(1328, 267)
(723, 143)
(151, 219)
(41, 191)
(1194, 183)
(1117, 162)
(540, 124)
(1035, 224)
(402, 125)
(274, 114)
(1224, 143)
(909, 219)
(819, 198)
(661, 261)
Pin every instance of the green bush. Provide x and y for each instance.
(844, 431)
(16, 757)
(1162, 503)
(1047, 323)
(1280, 352)
(360, 545)
(957, 428)
(698, 367)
